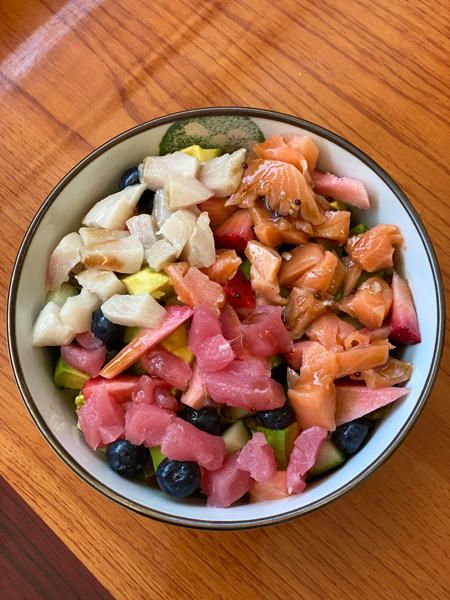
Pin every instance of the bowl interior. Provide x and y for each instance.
(98, 176)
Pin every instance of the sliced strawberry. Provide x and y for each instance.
(217, 211)
(235, 232)
(239, 292)
(404, 324)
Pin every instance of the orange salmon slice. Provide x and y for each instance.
(370, 304)
(225, 266)
(374, 249)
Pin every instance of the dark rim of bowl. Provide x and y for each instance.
(245, 523)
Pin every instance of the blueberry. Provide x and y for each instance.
(125, 458)
(204, 419)
(109, 333)
(130, 177)
(145, 204)
(350, 436)
(279, 418)
(177, 478)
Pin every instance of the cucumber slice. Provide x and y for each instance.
(60, 296)
(282, 442)
(330, 456)
(236, 436)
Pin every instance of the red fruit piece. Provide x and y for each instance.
(404, 324)
(235, 232)
(239, 292)
(120, 388)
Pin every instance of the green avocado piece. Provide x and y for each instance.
(129, 333)
(222, 131)
(244, 267)
(157, 456)
(379, 412)
(282, 442)
(338, 205)
(358, 229)
(60, 296)
(202, 154)
(330, 456)
(365, 275)
(156, 284)
(276, 360)
(338, 295)
(331, 246)
(66, 376)
(236, 436)
(79, 401)
(173, 300)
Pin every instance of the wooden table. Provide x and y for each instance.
(76, 73)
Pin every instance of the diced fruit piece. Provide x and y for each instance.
(345, 189)
(205, 419)
(235, 232)
(245, 384)
(125, 458)
(120, 388)
(112, 212)
(239, 292)
(225, 266)
(60, 296)
(147, 424)
(370, 304)
(226, 484)
(374, 249)
(265, 333)
(178, 478)
(354, 401)
(304, 455)
(196, 393)
(49, 330)
(101, 419)
(160, 362)
(138, 310)
(217, 211)
(102, 283)
(358, 229)
(330, 457)
(106, 331)
(175, 316)
(280, 418)
(349, 436)
(282, 442)
(194, 287)
(258, 458)
(184, 191)
(202, 154)
(177, 339)
(67, 255)
(212, 350)
(294, 358)
(67, 376)
(129, 333)
(154, 168)
(298, 261)
(404, 323)
(223, 174)
(271, 490)
(89, 361)
(79, 401)
(77, 311)
(183, 441)
(199, 250)
(244, 267)
(147, 280)
(236, 436)
(157, 456)
(265, 265)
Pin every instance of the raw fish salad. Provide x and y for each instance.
(224, 326)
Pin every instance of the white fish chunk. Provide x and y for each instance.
(199, 250)
(65, 257)
(49, 330)
(136, 310)
(112, 212)
(161, 211)
(161, 252)
(96, 235)
(141, 226)
(77, 311)
(223, 174)
(106, 250)
(154, 168)
(103, 284)
(178, 228)
(183, 191)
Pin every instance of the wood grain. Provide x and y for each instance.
(76, 73)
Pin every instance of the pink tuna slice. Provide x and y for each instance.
(175, 316)
(88, 340)
(164, 398)
(258, 458)
(354, 401)
(294, 359)
(227, 484)
(344, 189)
(145, 388)
(147, 423)
(231, 329)
(404, 324)
(101, 419)
(89, 361)
(212, 350)
(245, 384)
(161, 363)
(197, 392)
(120, 388)
(265, 333)
(306, 449)
(183, 441)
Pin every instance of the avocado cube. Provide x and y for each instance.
(66, 376)
(236, 436)
(129, 333)
(173, 300)
(358, 229)
(202, 154)
(282, 442)
(338, 205)
(79, 401)
(156, 284)
(157, 456)
(244, 267)
(185, 354)
(177, 339)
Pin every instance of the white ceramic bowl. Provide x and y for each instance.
(95, 177)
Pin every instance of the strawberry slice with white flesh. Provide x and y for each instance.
(404, 324)
(146, 339)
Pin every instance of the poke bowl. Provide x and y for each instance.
(264, 481)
